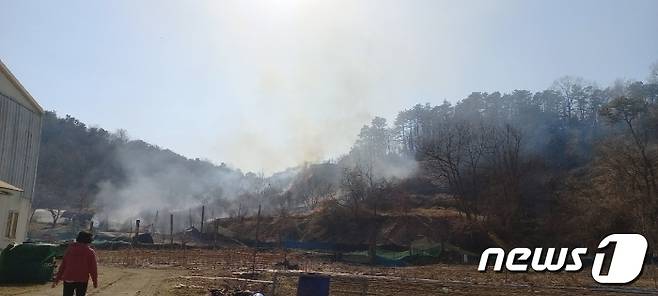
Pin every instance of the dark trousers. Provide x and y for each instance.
(80, 289)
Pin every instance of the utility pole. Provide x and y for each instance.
(203, 215)
(135, 239)
(155, 223)
(372, 243)
(189, 215)
(253, 266)
(216, 221)
(171, 229)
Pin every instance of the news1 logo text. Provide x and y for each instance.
(625, 264)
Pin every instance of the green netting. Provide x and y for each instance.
(27, 263)
(426, 247)
(110, 245)
(385, 254)
(393, 255)
(413, 256)
(433, 251)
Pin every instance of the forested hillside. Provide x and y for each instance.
(567, 164)
(88, 168)
(563, 165)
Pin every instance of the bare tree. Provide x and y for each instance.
(630, 112)
(653, 74)
(455, 156)
(55, 214)
(505, 173)
(632, 156)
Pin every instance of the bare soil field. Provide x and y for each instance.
(114, 280)
(195, 272)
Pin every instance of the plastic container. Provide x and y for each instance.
(313, 285)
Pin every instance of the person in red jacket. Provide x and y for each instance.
(78, 265)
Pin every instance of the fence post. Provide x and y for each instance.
(364, 287)
(171, 230)
(203, 216)
(275, 280)
(135, 239)
(253, 266)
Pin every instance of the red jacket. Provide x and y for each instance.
(79, 263)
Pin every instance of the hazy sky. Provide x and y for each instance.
(264, 85)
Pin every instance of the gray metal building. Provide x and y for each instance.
(20, 133)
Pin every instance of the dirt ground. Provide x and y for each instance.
(194, 272)
(114, 280)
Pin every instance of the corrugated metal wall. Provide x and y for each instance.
(20, 130)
